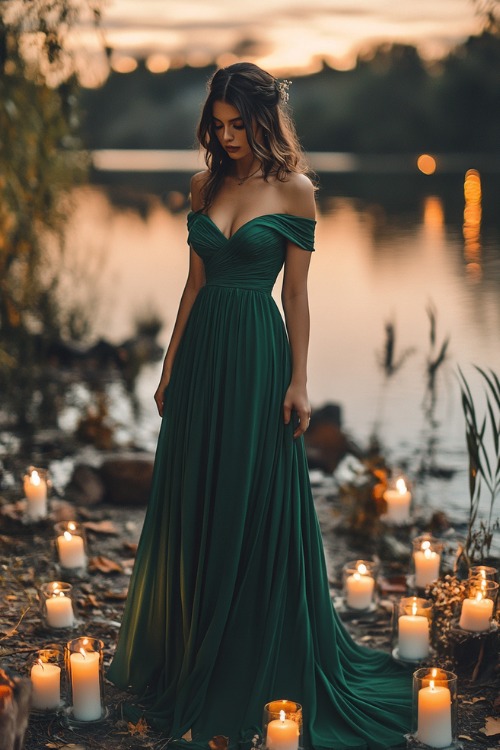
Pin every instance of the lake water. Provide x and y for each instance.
(387, 248)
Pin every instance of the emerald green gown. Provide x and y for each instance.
(228, 605)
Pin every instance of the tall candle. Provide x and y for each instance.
(282, 734)
(413, 636)
(359, 588)
(434, 716)
(476, 614)
(71, 550)
(35, 490)
(46, 684)
(427, 564)
(398, 502)
(85, 685)
(59, 610)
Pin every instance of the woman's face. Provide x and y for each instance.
(230, 130)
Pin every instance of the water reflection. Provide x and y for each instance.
(370, 267)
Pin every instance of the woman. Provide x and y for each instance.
(229, 604)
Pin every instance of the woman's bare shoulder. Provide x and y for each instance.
(298, 192)
(198, 181)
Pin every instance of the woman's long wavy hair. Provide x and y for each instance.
(257, 96)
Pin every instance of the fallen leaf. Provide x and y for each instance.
(101, 527)
(141, 727)
(476, 700)
(104, 565)
(131, 547)
(465, 737)
(188, 736)
(118, 596)
(491, 727)
(219, 742)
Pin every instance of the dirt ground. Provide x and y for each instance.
(28, 558)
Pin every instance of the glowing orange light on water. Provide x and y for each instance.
(426, 163)
(472, 224)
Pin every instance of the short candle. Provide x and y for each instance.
(476, 614)
(413, 635)
(71, 550)
(359, 587)
(59, 610)
(46, 686)
(398, 502)
(434, 716)
(282, 734)
(427, 564)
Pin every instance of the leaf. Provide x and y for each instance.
(188, 736)
(219, 742)
(491, 727)
(118, 596)
(101, 527)
(104, 565)
(140, 728)
(465, 736)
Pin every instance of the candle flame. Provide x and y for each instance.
(362, 569)
(40, 662)
(282, 716)
(482, 574)
(426, 545)
(61, 593)
(401, 486)
(431, 684)
(427, 553)
(434, 672)
(68, 536)
(356, 576)
(479, 596)
(71, 526)
(414, 608)
(35, 477)
(83, 653)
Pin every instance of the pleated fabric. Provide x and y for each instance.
(228, 605)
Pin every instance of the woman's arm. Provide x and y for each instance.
(295, 302)
(195, 281)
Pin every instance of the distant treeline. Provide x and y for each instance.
(391, 102)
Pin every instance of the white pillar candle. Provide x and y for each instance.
(59, 611)
(413, 636)
(46, 684)
(398, 502)
(427, 564)
(359, 588)
(35, 491)
(434, 716)
(282, 734)
(476, 614)
(71, 550)
(85, 685)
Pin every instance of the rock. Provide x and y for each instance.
(325, 442)
(127, 478)
(85, 487)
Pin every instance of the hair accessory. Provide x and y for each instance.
(283, 87)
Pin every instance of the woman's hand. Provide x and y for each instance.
(159, 393)
(296, 400)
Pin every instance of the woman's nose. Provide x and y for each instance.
(228, 134)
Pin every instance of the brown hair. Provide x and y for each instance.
(258, 97)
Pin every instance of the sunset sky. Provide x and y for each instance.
(284, 35)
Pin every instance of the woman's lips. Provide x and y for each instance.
(232, 149)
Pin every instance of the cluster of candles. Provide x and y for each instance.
(84, 665)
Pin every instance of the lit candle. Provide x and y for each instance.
(398, 502)
(426, 565)
(476, 614)
(282, 734)
(359, 587)
(434, 716)
(85, 685)
(46, 684)
(413, 635)
(35, 490)
(71, 550)
(59, 610)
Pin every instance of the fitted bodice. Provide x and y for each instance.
(254, 254)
